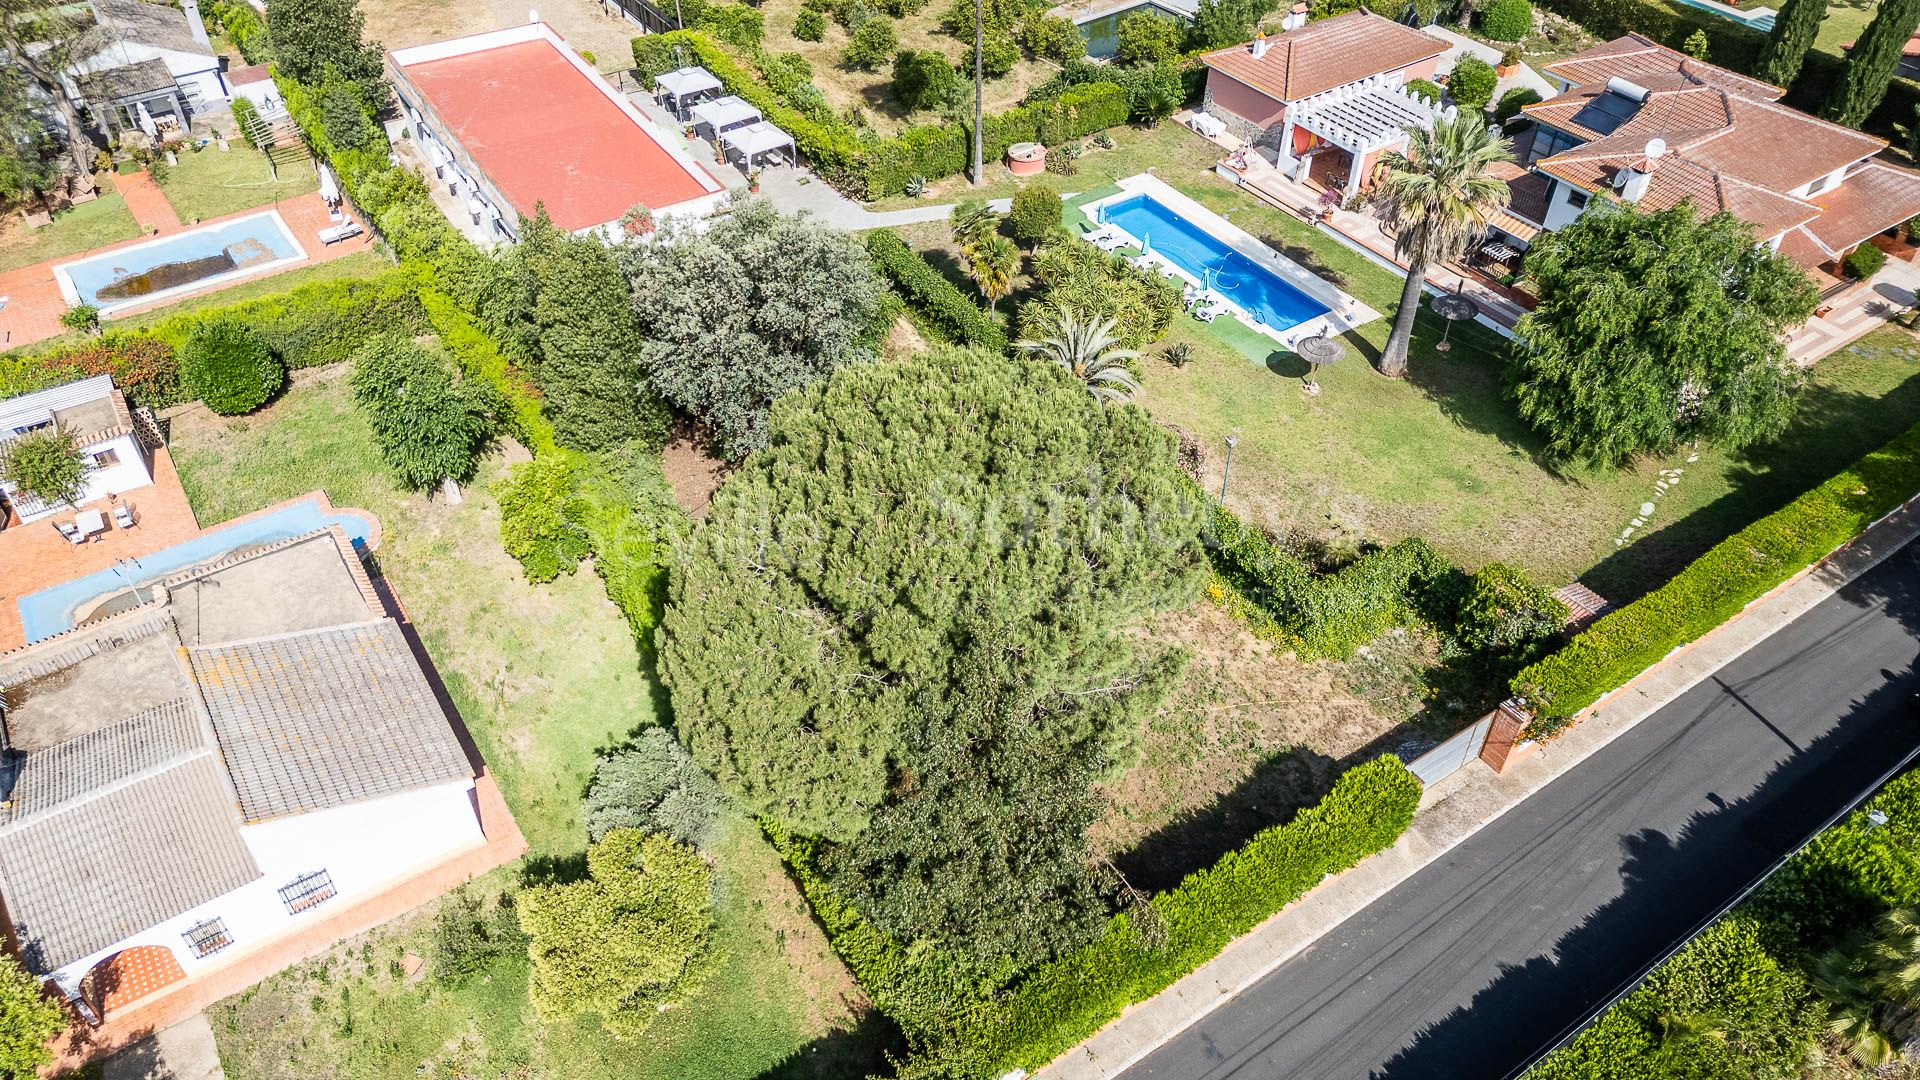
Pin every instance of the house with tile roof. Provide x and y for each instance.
(118, 458)
(1641, 123)
(146, 63)
(185, 782)
(1324, 100)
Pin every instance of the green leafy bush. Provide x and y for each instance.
(47, 465)
(536, 522)
(245, 116)
(226, 364)
(1035, 213)
(325, 322)
(923, 79)
(1508, 20)
(1865, 261)
(932, 294)
(29, 1019)
(143, 368)
(1052, 37)
(809, 25)
(1426, 88)
(1847, 877)
(653, 784)
(471, 935)
(429, 425)
(736, 24)
(1471, 83)
(1719, 584)
(1147, 37)
(248, 32)
(871, 45)
(1512, 102)
(82, 317)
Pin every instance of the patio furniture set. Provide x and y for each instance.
(87, 525)
(737, 130)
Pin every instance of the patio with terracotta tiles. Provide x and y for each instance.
(34, 307)
(35, 556)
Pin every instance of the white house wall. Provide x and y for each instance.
(195, 71)
(365, 848)
(1560, 211)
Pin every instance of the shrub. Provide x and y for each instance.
(325, 322)
(430, 425)
(998, 54)
(1508, 20)
(1512, 102)
(923, 79)
(1471, 83)
(29, 1019)
(735, 24)
(535, 523)
(871, 44)
(932, 294)
(82, 317)
(244, 118)
(1697, 45)
(226, 364)
(1052, 37)
(1865, 261)
(143, 368)
(1035, 213)
(653, 784)
(1146, 38)
(1063, 160)
(471, 935)
(809, 25)
(47, 465)
(1719, 584)
(246, 29)
(1426, 88)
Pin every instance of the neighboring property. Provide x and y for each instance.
(1641, 123)
(1099, 20)
(97, 416)
(255, 83)
(198, 783)
(152, 67)
(512, 119)
(1324, 100)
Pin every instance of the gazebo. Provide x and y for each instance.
(684, 86)
(1363, 118)
(724, 114)
(755, 140)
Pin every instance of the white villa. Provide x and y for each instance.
(98, 417)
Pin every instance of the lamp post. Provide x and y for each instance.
(1227, 469)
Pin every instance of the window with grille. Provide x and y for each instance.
(208, 938)
(307, 891)
(106, 458)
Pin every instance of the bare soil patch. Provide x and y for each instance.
(693, 472)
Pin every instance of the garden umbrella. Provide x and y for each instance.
(1453, 307)
(1318, 351)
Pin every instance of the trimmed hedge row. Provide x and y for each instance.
(932, 294)
(1719, 584)
(1320, 615)
(959, 1033)
(146, 370)
(874, 170)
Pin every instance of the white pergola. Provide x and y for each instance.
(685, 85)
(1360, 118)
(755, 140)
(724, 114)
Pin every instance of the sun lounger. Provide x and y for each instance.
(336, 233)
(123, 515)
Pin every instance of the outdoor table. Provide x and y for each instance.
(90, 522)
(1500, 252)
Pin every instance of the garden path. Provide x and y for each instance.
(146, 202)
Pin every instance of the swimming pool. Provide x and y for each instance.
(174, 264)
(1259, 291)
(51, 611)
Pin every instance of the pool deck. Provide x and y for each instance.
(34, 303)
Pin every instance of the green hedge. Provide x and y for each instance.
(144, 369)
(245, 28)
(932, 294)
(325, 322)
(1719, 584)
(874, 170)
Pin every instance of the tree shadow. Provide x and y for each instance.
(1673, 885)
(860, 1050)
(1277, 789)
(1306, 257)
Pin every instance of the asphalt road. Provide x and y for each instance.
(1473, 965)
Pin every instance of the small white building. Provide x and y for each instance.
(97, 416)
(200, 778)
(153, 62)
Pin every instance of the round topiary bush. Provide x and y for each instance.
(1512, 102)
(1508, 20)
(225, 364)
(809, 25)
(1471, 83)
(1426, 88)
(1034, 214)
(1866, 261)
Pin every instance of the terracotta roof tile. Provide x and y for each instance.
(1873, 199)
(1646, 62)
(1326, 54)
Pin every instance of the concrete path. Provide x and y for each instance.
(185, 1051)
(1856, 313)
(1731, 776)
(783, 188)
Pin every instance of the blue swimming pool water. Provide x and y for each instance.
(50, 611)
(133, 275)
(1264, 294)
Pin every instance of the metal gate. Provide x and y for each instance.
(1440, 762)
(643, 14)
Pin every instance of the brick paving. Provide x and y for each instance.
(146, 202)
(32, 312)
(35, 556)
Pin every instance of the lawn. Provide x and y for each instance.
(208, 184)
(105, 220)
(545, 677)
(1845, 21)
(1441, 454)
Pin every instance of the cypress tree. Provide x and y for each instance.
(1793, 32)
(1870, 67)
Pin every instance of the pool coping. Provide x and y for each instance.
(71, 293)
(1344, 313)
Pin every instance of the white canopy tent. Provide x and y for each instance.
(684, 86)
(724, 114)
(757, 140)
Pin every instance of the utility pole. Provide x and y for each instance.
(979, 109)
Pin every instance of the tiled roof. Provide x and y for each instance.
(49, 779)
(159, 25)
(1326, 54)
(1645, 61)
(1875, 198)
(127, 80)
(322, 718)
(1806, 252)
(122, 859)
(1676, 179)
(1527, 208)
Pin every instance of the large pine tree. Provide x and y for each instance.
(1871, 64)
(1794, 30)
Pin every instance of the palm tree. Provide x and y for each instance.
(1090, 350)
(1846, 978)
(972, 222)
(991, 264)
(1438, 197)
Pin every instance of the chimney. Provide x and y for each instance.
(194, 26)
(1259, 45)
(1296, 17)
(1631, 182)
